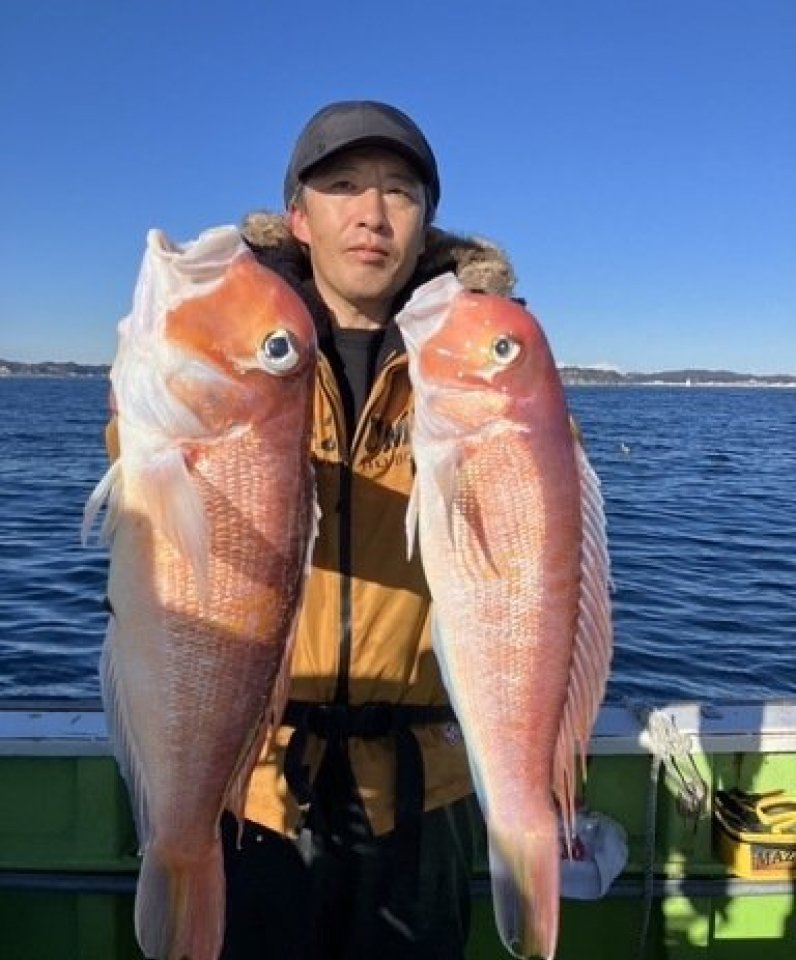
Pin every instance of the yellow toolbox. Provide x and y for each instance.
(755, 833)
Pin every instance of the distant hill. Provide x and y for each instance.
(599, 376)
(570, 375)
(49, 368)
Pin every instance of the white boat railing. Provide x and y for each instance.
(77, 728)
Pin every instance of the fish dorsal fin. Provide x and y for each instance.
(591, 654)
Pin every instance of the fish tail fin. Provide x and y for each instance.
(525, 873)
(180, 905)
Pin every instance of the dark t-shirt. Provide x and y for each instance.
(355, 366)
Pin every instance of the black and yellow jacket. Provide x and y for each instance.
(364, 630)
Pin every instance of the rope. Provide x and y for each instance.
(649, 854)
(674, 749)
(670, 749)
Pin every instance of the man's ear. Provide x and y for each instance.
(297, 222)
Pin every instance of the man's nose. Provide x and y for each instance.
(372, 209)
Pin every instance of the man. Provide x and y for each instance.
(357, 838)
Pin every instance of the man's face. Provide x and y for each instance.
(362, 215)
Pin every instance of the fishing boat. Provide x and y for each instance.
(704, 798)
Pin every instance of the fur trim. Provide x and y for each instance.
(480, 265)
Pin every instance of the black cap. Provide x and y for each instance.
(354, 123)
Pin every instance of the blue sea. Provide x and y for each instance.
(700, 493)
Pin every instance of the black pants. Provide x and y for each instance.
(330, 894)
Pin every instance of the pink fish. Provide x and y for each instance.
(211, 515)
(512, 537)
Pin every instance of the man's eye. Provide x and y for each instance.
(404, 194)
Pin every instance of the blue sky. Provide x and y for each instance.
(636, 158)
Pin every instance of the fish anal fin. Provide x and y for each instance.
(235, 800)
(262, 735)
(120, 733)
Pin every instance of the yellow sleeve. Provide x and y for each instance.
(574, 426)
(112, 439)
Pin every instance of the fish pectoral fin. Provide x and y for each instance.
(176, 507)
(465, 523)
(469, 531)
(106, 491)
(471, 542)
(465, 519)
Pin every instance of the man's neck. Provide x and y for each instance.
(355, 316)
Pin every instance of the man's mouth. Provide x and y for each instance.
(369, 254)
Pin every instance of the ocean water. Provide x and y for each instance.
(700, 493)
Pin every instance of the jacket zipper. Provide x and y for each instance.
(344, 519)
(342, 693)
(344, 534)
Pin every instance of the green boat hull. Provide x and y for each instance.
(68, 849)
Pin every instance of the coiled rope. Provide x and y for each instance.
(670, 749)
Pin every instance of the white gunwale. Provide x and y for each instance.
(59, 729)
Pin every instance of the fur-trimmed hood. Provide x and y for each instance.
(480, 265)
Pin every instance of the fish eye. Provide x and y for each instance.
(279, 352)
(505, 349)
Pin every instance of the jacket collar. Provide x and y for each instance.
(480, 266)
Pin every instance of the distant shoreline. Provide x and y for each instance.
(52, 368)
(4, 375)
(570, 376)
(677, 385)
(591, 377)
